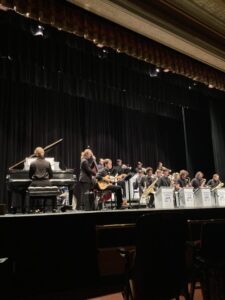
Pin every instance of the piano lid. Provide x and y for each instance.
(47, 148)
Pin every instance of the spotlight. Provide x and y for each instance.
(100, 45)
(3, 7)
(157, 70)
(39, 31)
(102, 53)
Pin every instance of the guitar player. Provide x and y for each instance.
(103, 175)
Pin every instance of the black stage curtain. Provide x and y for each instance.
(62, 86)
(199, 142)
(217, 110)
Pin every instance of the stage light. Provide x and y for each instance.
(39, 31)
(100, 45)
(3, 7)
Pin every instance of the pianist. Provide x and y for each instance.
(40, 170)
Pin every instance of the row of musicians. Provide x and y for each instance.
(176, 180)
(88, 178)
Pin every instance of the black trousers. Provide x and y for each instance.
(84, 188)
(40, 203)
(118, 192)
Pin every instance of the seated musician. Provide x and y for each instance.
(85, 179)
(214, 182)
(164, 180)
(40, 170)
(198, 181)
(140, 166)
(158, 173)
(103, 175)
(183, 180)
(100, 163)
(140, 182)
(147, 180)
(121, 170)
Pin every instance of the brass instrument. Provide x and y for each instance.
(203, 182)
(149, 190)
(218, 186)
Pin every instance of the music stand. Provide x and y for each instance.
(127, 178)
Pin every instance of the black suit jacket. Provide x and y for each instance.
(163, 181)
(40, 169)
(86, 172)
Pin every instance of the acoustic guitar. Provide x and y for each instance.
(109, 180)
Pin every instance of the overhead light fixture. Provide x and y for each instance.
(39, 31)
(100, 45)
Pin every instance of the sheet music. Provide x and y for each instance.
(29, 161)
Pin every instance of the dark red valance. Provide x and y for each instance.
(73, 19)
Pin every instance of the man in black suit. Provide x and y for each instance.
(40, 170)
(101, 175)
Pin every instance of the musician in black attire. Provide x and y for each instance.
(40, 170)
(198, 181)
(212, 183)
(183, 181)
(85, 179)
(107, 170)
(164, 180)
(147, 180)
(140, 182)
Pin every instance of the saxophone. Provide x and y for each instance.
(149, 190)
(218, 186)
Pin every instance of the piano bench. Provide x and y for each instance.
(42, 192)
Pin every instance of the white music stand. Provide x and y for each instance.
(164, 197)
(203, 197)
(186, 197)
(219, 197)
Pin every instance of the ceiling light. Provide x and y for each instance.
(39, 31)
(100, 45)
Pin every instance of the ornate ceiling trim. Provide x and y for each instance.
(188, 45)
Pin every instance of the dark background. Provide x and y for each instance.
(63, 86)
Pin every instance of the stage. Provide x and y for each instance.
(53, 251)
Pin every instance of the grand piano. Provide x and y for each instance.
(17, 180)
